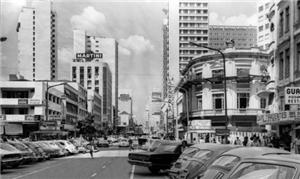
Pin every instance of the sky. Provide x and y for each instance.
(135, 24)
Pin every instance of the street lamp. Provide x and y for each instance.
(224, 69)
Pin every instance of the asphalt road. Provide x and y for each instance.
(107, 164)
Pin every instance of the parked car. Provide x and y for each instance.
(40, 154)
(195, 160)
(102, 143)
(115, 144)
(61, 150)
(124, 143)
(225, 163)
(48, 149)
(161, 155)
(9, 158)
(267, 167)
(27, 154)
(71, 149)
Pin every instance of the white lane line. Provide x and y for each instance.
(132, 172)
(36, 171)
(94, 174)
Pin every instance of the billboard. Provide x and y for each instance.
(292, 95)
(89, 55)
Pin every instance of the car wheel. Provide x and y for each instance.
(154, 170)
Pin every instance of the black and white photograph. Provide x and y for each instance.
(150, 89)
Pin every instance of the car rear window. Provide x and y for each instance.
(190, 152)
(249, 170)
(227, 162)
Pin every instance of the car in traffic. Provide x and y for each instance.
(102, 143)
(267, 167)
(10, 158)
(159, 156)
(124, 143)
(195, 160)
(225, 163)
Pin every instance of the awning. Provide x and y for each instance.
(265, 93)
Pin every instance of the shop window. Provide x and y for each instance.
(263, 103)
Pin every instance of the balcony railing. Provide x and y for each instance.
(221, 112)
(18, 118)
(20, 101)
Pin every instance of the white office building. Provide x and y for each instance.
(37, 49)
(263, 28)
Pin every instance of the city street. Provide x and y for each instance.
(106, 164)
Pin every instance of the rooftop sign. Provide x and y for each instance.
(89, 55)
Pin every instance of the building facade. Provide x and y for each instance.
(95, 75)
(243, 36)
(263, 27)
(37, 41)
(95, 108)
(203, 82)
(125, 108)
(107, 52)
(283, 116)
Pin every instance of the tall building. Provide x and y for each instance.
(95, 108)
(37, 49)
(103, 50)
(95, 75)
(166, 75)
(153, 112)
(263, 28)
(243, 36)
(188, 21)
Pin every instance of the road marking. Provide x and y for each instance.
(132, 172)
(36, 171)
(94, 174)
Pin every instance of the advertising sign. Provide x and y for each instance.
(200, 124)
(89, 55)
(34, 101)
(22, 101)
(292, 95)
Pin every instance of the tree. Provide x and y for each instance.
(86, 126)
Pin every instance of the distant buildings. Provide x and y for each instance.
(153, 116)
(125, 108)
(243, 36)
(37, 41)
(263, 28)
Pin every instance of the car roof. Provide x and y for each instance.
(246, 152)
(214, 147)
(285, 158)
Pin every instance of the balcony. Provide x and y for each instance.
(20, 101)
(230, 112)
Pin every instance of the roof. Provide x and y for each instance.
(212, 146)
(247, 152)
(287, 158)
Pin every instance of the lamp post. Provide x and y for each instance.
(225, 86)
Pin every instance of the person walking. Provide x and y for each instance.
(130, 144)
(245, 142)
(237, 141)
(91, 149)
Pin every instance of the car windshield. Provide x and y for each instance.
(263, 171)
(227, 162)
(19, 146)
(190, 152)
(7, 147)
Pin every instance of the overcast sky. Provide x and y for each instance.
(135, 24)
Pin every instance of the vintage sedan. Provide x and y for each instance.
(225, 163)
(10, 158)
(195, 160)
(160, 155)
(268, 167)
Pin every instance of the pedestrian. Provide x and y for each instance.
(237, 141)
(130, 144)
(183, 145)
(245, 142)
(91, 147)
(207, 138)
(296, 144)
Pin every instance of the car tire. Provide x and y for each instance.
(154, 170)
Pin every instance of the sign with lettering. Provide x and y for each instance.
(34, 101)
(292, 95)
(89, 55)
(200, 124)
(22, 101)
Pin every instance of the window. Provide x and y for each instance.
(298, 60)
(263, 103)
(218, 101)
(254, 170)
(298, 7)
(199, 103)
(243, 100)
(281, 24)
(97, 89)
(281, 66)
(287, 19)
(260, 28)
(89, 72)
(267, 26)
(287, 63)
(260, 8)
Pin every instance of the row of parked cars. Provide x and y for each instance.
(17, 152)
(218, 161)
